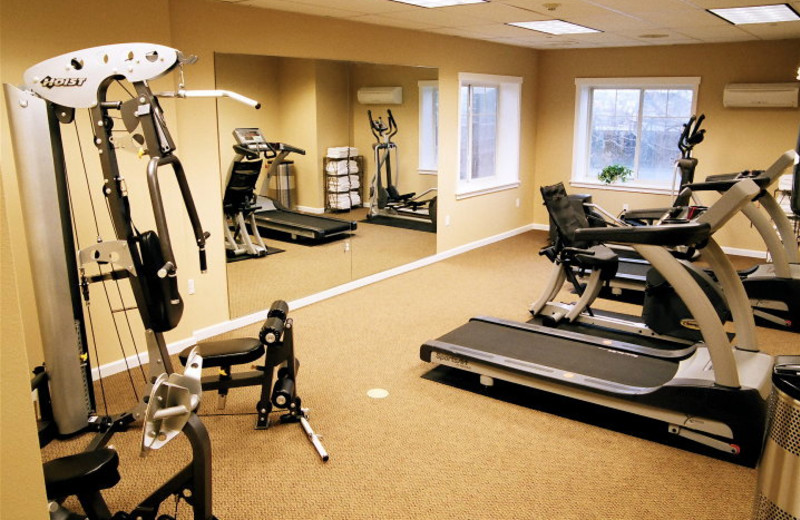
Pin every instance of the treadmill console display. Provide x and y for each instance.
(251, 138)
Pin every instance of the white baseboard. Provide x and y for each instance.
(736, 251)
(121, 365)
(256, 317)
(540, 227)
(173, 348)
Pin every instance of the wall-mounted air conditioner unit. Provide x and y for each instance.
(380, 95)
(761, 95)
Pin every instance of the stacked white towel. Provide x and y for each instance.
(342, 152)
(342, 167)
(343, 183)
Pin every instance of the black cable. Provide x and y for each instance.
(100, 269)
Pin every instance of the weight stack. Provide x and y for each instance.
(778, 490)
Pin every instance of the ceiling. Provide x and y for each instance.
(624, 23)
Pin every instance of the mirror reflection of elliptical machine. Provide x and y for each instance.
(386, 201)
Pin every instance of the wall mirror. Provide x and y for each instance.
(313, 105)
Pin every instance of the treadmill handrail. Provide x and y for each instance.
(287, 148)
(767, 178)
(690, 234)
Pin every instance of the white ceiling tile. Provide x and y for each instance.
(442, 17)
(622, 22)
(490, 11)
(390, 21)
(301, 7)
(774, 31)
(361, 6)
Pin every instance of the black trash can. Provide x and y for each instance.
(778, 491)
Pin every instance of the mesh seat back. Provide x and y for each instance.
(241, 187)
(565, 214)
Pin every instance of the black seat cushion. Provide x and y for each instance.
(601, 258)
(227, 352)
(83, 472)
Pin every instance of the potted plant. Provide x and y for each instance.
(614, 173)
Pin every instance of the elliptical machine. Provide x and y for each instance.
(685, 167)
(385, 199)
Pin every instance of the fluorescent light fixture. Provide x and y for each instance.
(555, 27)
(440, 3)
(757, 14)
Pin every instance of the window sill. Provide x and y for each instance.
(622, 187)
(466, 193)
(423, 171)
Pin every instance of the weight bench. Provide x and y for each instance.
(83, 475)
(276, 343)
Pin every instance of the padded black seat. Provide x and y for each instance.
(599, 257)
(81, 473)
(227, 352)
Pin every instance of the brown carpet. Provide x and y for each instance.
(428, 450)
(303, 270)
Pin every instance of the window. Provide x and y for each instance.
(632, 122)
(428, 126)
(489, 123)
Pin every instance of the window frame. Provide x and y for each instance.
(582, 131)
(428, 129)
(508, 135)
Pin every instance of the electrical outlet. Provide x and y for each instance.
(190, 284)
(447, 220)
(517, 201)
(625, 207)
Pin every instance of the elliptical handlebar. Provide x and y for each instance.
(392, 124)
(691, 136)
(382, 131)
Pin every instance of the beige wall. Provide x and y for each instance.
(21, 480)
(736, 139)
(333, 115)
(255, 77)
(192, 24)
(33, 30)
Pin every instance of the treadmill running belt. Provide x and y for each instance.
(301, 221)
(563, 354)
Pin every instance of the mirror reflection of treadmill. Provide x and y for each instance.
(274, 216)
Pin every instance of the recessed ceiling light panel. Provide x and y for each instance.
(555, 27)
(440, 3)
(757, 14)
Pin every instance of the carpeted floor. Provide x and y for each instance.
(429, 450)
(303, 270)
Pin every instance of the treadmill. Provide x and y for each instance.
(715, 395)
(273, 215)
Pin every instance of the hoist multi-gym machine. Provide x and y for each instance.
(63, 269)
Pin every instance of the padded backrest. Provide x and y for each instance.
(240, 190)
(163, 302)
(565, 214)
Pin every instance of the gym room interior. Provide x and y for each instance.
(423, 449)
